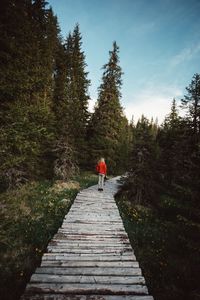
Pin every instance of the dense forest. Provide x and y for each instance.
(47, 129)
(47, 133)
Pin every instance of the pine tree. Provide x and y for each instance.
(191, 103)
(77, 93)
(191, 137)
(142, 180)
(179, 153)
(15, 52)
(60, 97)
(168, 137)
(108, 120)
(123, 151)
(65, 164)
(26, 116)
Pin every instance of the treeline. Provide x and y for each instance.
(160, 199)
(167, 157)
(46, 128)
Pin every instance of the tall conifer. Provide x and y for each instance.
(168, 138)
(77, 85)
(29, 33)
(108, 118)
(142, 180)
(191, 103)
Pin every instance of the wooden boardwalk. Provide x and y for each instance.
(90, 257)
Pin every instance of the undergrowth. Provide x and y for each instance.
(166, 240)
(30, 216)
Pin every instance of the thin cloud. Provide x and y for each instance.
(152, 103)
(143, 29)
(185, 55)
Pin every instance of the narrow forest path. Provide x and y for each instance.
(90, 257)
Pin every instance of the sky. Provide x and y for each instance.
(159, 43)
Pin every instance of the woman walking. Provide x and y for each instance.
(101, 168)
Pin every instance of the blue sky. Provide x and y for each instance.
(159, 44)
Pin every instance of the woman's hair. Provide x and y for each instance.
(102, 159)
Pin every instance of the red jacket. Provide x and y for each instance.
(101, 168)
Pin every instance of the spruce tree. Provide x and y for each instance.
(142, 179)
(191, 137)
(77, 85)
(108, 121)
(168, 139)
(26, 116)
(191, 103)
(15, 52)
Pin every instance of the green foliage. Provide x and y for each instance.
(30, 216)
(191, 103)
(108, 123)
(166, 243)
(86, 179)
(165, 232)
(29, 35)
(142, 180)
(72, 112)
(24, 138)
(169, 136)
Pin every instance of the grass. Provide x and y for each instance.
(166, 241)
(30, 217)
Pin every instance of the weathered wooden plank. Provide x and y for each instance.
(96, 232)
(90, 232)
(101, 240)
(84, 245)
(89, 250)
(92, 236)
(93, 199)
(94, 196)
(81, 219)
(87, 288)
(71, 263)
(83, 256)
(88, 244)
(93, 214)
(100, 208)
(97, 211)
(77, 238)
(89, 238)
(96, 245)
(125, 271)
(92, 254)
(66, 248)
(91, 219)
(95, 224)
(94, 227)
(84, 297)
(92, 257)
(94, 203)
(87, 279)
(86, 221)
